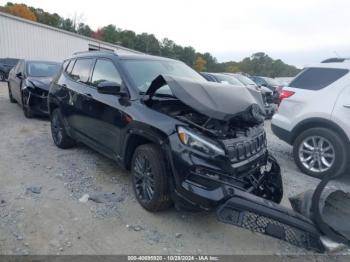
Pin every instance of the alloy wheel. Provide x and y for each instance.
(144, 179)
(316, 154)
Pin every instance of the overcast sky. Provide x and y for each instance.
(297, 31)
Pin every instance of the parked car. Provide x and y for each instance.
(314, 117)
(221, 78)
(186, 141)
(283, 81)
(28, 85)
(267, 94)
(6, 64)
(183, 138)
(270, 83)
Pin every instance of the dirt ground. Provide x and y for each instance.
(56, 222)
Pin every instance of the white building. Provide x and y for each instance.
(21, 38)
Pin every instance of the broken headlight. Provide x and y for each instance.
(199, 143)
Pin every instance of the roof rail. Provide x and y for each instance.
(335, 60)
(89, 51)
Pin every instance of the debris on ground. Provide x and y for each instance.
(178, 235)
(84, 198)
(34, 189)
(135, 228)
(102, 197)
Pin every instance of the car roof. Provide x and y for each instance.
(340, 65)
(121, 55)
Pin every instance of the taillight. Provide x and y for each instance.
(284, 94)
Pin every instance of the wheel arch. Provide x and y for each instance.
(318, 122)
(140, 136)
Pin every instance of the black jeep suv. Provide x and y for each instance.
(186, 140)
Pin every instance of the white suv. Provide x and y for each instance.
(314, 117)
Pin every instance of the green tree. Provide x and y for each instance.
(46, 18)
(110, 34)
(167, 48)
(188, 55)
(84, 29)
(147, 43)
(68, 25)
(127, 38)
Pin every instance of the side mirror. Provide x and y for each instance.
(19, 75)
(110, 88)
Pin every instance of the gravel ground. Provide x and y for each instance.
(40, 211)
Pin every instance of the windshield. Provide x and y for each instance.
(228, 79)
(270, 81)
(42, 69)
(143, 72)
(245, 80)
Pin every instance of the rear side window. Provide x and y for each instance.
(81, 70)
(317, 78)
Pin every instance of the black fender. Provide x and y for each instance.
(147, 134)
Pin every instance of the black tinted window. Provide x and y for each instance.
(10, 61)
(105, 71)
(81, 70)
(317, 78)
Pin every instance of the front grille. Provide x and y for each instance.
(242, 148)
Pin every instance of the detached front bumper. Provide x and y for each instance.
(265, 217)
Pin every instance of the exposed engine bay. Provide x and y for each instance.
(241, 133)
(237, 127)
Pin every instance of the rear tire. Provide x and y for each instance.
(58, 131)
(325, 147)
(12, 100)
(150, 178)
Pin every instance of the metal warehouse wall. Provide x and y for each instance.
(21, 38)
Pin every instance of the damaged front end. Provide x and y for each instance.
(220, 161)
(220, 144)
(34, 94)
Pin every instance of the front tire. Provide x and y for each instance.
(58, 132)
(150, 178)
(319, 152)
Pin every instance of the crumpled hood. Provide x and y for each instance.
(40, 82)
(215, 100)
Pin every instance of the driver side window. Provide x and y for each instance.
(104, 71)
